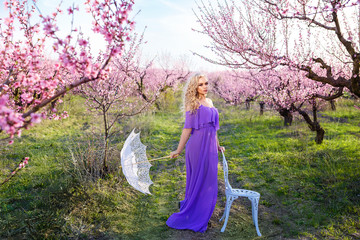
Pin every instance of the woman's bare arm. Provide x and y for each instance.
(183, 139)
(220, 148)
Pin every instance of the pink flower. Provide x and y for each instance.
(70, 10)
(48, 28)
(96, 29)
(116, 50)
(65, 115)
(5, 87)
(35, 118)
(8, 20)
(16, 85)
(83, 42)
(132, 25)
(82, 54)
(27, 97)
(3, 100)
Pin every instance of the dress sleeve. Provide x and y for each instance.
(191, 120)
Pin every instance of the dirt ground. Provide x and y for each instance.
(214, 227)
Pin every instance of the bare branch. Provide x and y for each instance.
(338, 94)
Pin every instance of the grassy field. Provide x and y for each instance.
(308, 191)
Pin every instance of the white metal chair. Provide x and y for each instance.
(232, 194)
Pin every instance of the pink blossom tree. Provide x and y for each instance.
(25, 89)
(129, 88)
(155, 77)
(18, 168)
(226, 84)
(287, 90)
(319, 38)
(31, 83)
(111, 98)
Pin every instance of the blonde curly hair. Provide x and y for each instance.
(191, 95)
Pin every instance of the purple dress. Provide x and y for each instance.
(201, 171)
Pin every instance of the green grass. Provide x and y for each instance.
(308, 191)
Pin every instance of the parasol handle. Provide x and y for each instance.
(154, 159)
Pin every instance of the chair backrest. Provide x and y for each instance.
(226, 173)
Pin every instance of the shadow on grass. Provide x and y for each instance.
(304, 187)
(34, 205)
(307, 191)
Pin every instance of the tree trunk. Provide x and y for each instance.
(157, 104)
(313, 125)
(247, 104)
(262, 105)
(320, 132)
(106, 144)
(287, 115)
(333, 106)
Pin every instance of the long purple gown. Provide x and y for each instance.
(201, 171)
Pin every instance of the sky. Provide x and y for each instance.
(168, 31)
(168, 23)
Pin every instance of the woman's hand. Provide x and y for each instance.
(174, 154)
(221, 149)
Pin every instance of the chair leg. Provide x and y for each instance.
(223, 216)
(229, 201)
(226, 204)
(254, 209)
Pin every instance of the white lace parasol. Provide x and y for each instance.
(135, 164)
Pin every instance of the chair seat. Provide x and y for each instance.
(242, 193)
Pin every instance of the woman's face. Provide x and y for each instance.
(202, 86)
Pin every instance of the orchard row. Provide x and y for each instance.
(284, 53)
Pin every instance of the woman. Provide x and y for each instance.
(201, 122)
